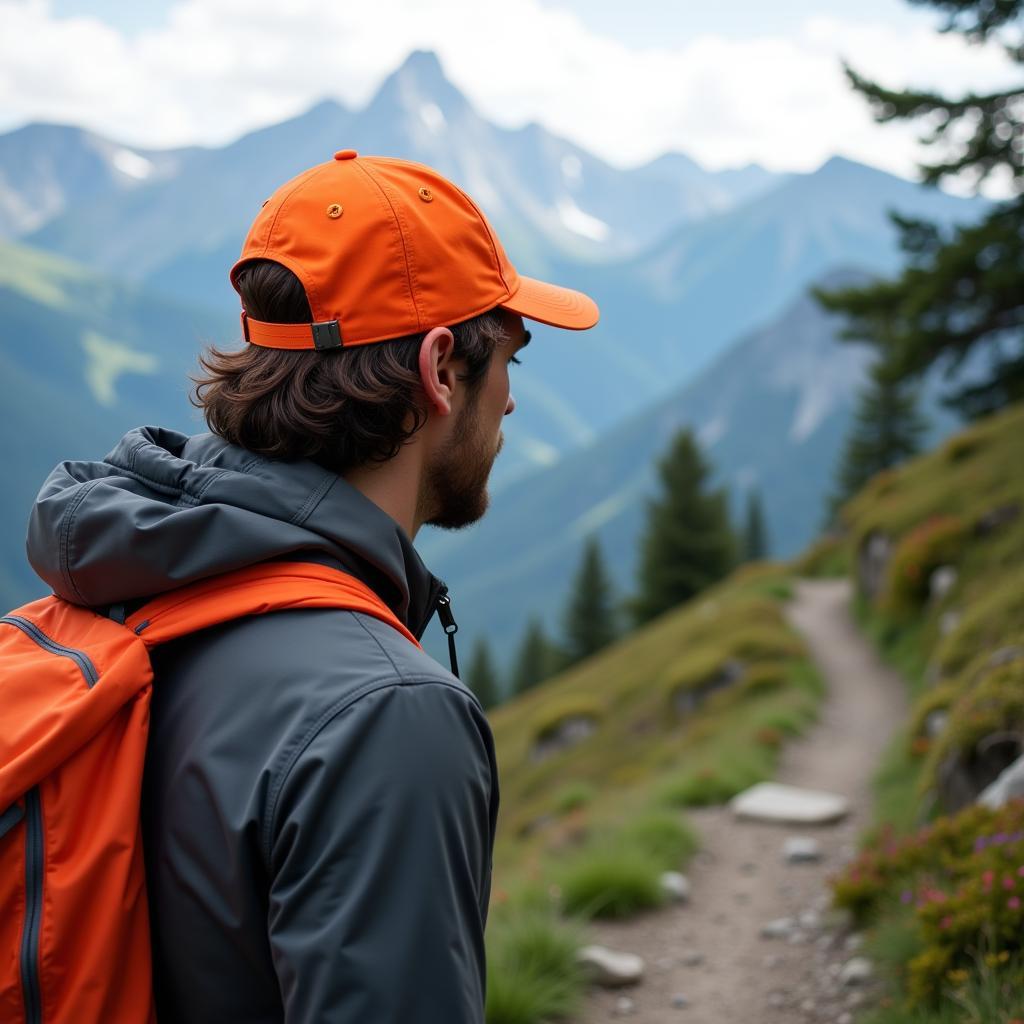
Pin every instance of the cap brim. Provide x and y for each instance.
(552, 305)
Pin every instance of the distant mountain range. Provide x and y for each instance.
(682, 262)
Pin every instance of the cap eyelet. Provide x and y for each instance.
(426, 195)
(334, 210)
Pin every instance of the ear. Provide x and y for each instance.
(437, 374)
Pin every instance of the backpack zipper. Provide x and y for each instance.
(444, 613)
(33, 908)
(30, 629)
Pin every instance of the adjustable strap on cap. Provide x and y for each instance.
(321, 336)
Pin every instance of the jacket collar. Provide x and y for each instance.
(164, 509)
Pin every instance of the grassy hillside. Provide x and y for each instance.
(84, 358)
(937, 548)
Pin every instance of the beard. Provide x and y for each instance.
(457, 479)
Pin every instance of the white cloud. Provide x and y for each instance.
(219, 68)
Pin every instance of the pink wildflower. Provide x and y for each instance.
(1013, 903)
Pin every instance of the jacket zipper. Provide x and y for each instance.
(30, 629)
(444, 612)
(33, 908)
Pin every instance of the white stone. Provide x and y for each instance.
(624, 1006)
(856, 971)
(772, 801)
(609, 968)
(1008, 786)
(941, 582)
(675, 886)
(780, 928)
(948, 621)
(801, 850)
(811, 920)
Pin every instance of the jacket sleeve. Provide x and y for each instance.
(381, 831)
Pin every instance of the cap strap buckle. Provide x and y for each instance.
(326, 335)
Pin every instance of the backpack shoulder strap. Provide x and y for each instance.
(255, 590)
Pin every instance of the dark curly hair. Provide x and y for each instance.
(341, 408)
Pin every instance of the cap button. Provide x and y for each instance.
(345, 154)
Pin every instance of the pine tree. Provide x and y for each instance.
(887, 429)
(962, 289)
(755, 538)
(688, 543)
(482, 678)
(590, 614)
(537, 659)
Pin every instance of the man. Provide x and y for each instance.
(320, 796)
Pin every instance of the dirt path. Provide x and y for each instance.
(706, 960)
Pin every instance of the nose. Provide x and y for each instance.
(510, 407)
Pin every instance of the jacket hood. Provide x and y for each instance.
(164, 509)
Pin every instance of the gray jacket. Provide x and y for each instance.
(320, 796)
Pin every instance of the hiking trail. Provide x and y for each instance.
(706, 960)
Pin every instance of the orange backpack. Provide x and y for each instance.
(74, 715)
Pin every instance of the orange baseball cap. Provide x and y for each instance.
(387, 248)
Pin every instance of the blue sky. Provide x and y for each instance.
(639, 23)
(732, 83)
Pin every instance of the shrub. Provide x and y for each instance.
(556, 713)
(753, 642)
(716, 784)
(994, 705)
(991, 620)
(767, 677)
(964, 878)
(611, 880)
(828, 557)
(573, 796)
(939, 540)
(662, 836)
(532, 973)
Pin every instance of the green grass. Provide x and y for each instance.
(610, 880)
(532, 974)
(664, 837)
(573, 796)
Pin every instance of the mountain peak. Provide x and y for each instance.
(418, 80)
(424, 63)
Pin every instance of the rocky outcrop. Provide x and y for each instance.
(873, 563)
(688, 699)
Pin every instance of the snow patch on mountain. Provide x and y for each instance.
(538, 452)
(433, 117)
(107, 361)
(581, 223)
(134, 165)
(572, 168)
(608, 509)
(712, 431)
